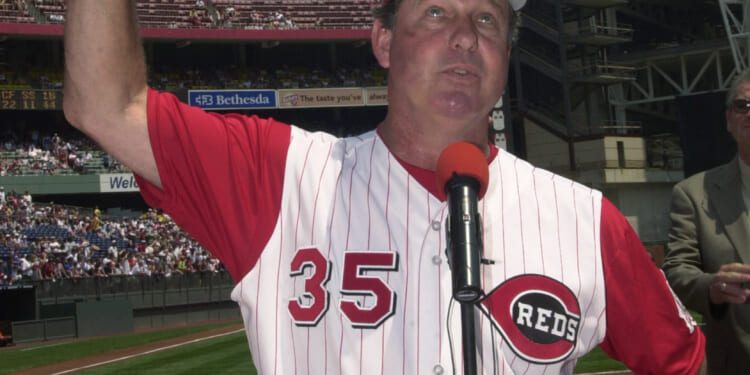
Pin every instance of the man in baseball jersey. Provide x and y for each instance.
(337, 245)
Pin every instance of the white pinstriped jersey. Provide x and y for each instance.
(359, 198)
(354, 279)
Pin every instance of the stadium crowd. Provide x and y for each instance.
(282, 77)
(227, 77)
(50, 154)
(52, 241)
(243, 14)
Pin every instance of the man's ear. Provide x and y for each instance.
(381, 43)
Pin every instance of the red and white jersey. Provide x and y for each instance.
(345, 271)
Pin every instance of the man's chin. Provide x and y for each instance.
(456, 105)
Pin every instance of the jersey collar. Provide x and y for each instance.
(426, 177)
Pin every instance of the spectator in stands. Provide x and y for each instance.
(110, 269)
(27, 266)
(4, 272)
(194, 18)
(141, 268)
(229, 14)
(125, 264)
(98, 269)
(217, 17)
(113, 251)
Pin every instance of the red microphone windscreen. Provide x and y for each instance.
(463, 159)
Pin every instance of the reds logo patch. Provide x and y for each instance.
(538, 317)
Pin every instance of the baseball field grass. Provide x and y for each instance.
(227, 354)
(221, 354)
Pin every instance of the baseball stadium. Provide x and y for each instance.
(622, 96)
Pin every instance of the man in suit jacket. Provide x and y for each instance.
(708, 264)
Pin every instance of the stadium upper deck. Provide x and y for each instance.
(234, 14)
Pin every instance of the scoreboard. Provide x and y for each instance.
(14, 99)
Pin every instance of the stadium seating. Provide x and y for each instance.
(46, 231)
(77, 248)
(10, 13)
(250, 14)
(56, 156)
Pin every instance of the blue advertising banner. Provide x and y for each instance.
(232, 99)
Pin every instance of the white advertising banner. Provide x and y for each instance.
(117, 183)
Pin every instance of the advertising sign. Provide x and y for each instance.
(232, 99)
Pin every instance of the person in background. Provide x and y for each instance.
(708, 264)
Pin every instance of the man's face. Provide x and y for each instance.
(449, 57)
(738, 124)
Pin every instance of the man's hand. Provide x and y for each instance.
(727, 284)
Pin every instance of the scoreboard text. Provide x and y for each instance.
(30, 99)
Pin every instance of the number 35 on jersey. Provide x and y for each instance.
(309, 306)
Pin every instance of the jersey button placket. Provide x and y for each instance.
(436, 225)
(437, 369)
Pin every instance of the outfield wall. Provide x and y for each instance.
(125, 304)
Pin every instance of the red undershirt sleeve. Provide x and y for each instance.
(222, 177)
(648, 329)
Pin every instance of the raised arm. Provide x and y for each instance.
(105, 81)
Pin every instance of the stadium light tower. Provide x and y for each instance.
(736, 14)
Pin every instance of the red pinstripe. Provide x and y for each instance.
(369, 211)
(528, 365)
(296, 236)
(312, 234)
(545, 370)
(439, 294)
(602, 314)
(520, 221)
(341, 345)
(369, 231)
(599, 320)
(484, 276)
(278, 275)
(348, 233)
(538, 220)
(390, 248)
(419, 282)
(594, 233)
(257, 298)
(557, 217)
(520, 215)
(502, 243)
(406, 276)
(328, 255)
(349, 203)
(578, 246)
(502, 219)
(317, 194)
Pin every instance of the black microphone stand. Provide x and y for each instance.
(468, 338)
(464, 252)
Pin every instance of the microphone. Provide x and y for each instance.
(462, 177)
